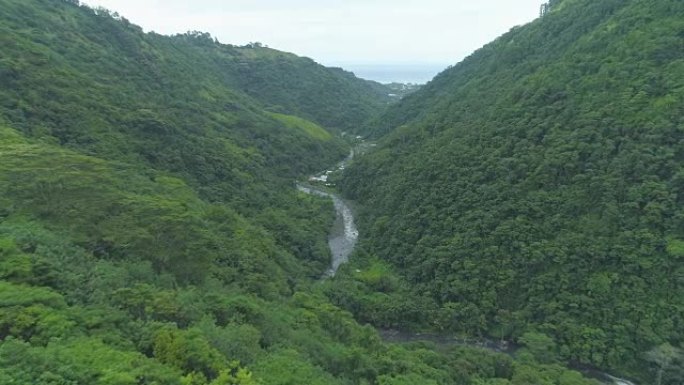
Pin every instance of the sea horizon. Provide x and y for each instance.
(395, 73)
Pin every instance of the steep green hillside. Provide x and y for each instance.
(150, 231)
(98, 85)
(539, 185)
(102, 81)
(329, 96)
(112, 273)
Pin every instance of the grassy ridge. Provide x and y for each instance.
(313, 129)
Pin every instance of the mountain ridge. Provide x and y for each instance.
(538, 182)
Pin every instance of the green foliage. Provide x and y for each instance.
(116, 213)
(537, 185)
(288, 367)
(675, 247)
(331, 97)
(376, 294)
(150, 231)
(241, 342)
(668, 362)
(173, 103)
(540, 346)
(19, 295)
(186, 350)
(80, 361)
(310, 128)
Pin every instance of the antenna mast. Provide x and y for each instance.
(544, 9)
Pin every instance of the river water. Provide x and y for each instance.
(343, 234)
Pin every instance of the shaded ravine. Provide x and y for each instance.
(505, 347)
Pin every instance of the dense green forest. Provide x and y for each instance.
(538, 186)
(150, 229)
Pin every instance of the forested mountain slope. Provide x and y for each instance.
(139, 189)
(332, 97)
(150, 230)
(100, 86)
(539, 185)
(146, 80)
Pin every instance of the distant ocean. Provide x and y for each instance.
(399, 73)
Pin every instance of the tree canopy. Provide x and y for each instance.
(537, 185)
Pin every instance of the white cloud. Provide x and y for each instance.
(337, 31)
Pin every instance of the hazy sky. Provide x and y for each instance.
(335, 32)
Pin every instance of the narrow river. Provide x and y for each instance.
(343, 234)
(342, 240)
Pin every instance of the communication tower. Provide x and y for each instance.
(544, 9)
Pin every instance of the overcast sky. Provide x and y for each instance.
(338, 32)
